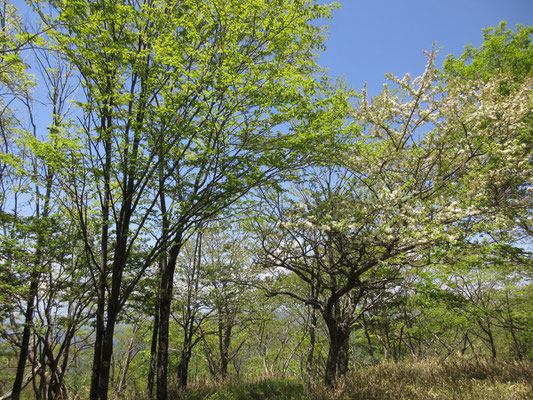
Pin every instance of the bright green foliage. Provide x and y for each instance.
(504, 62)
(216, 96)
(502, 52)
(14, 83)
(13, 40)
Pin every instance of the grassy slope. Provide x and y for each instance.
(456, 378)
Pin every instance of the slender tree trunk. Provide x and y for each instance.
(225, 341)
(512, 328)
(155, 330)
(99, 337)
(487, 329)
(165, 300)
(107, 353)
(400, 341)
(183, 368)
(312, 340)
(122, 383)
(158, 354)
(25, 345)
(225, 329)
(40, 388)
(162, 344)
(491, 341)
(56, 386)
(368, 339)
(186, 350)
(63, 393)
(190, 317)
(153, 356)
(113, 306)
(515, 341)
(105, 123)
(34, 287)
(465, 344)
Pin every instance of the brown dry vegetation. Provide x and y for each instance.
(454, 378)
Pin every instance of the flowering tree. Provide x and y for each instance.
(502, 69)
(436, 163)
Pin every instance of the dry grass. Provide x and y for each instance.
(455, 378)
(268, 388)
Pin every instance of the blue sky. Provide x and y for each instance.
(370, 38)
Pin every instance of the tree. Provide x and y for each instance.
(29, 178)
(187, 106)
(227, 255)
(504, 61)
(492, 293)
(189, 311)
(429, 169)
(338, 275)
(502, 52)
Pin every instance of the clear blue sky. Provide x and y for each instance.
(370, 38)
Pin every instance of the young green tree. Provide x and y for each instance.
(227, 258)
(33, 205)
(187, 106)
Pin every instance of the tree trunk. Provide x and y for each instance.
(183, 369)
(107, 353)
(99, 338)
(331, 363)
(165, 300)
(465, 344)
(113, 309)
(487, 329)
(512, 327)
(105, 123)
(27, 379)
(368, 339)
(34, 287)
(312, 340)
(225, 329)
(25, 345)
(342, 361)
(337, 353)
(153, 357)
(123, 381)
(491, 341)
